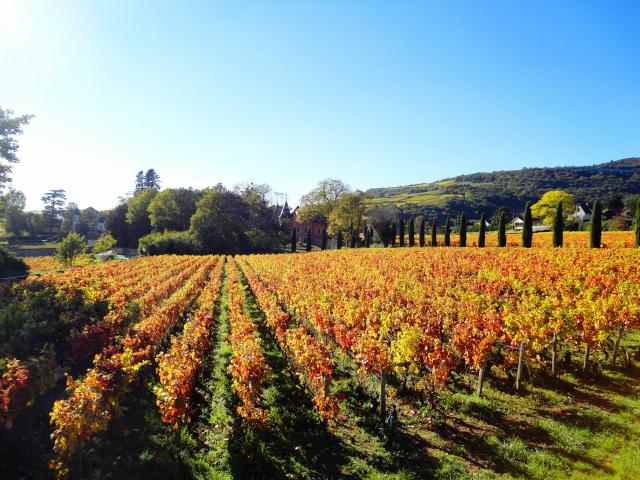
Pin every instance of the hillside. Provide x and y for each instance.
(485, 192)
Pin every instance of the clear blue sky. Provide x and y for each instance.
(291, 92)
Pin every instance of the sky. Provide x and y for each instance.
(376, 93)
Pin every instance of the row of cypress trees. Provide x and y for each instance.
(595, 236)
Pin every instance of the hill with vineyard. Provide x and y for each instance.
(478, 193)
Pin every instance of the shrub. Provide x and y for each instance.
(160, 243)
(11, 265)
(72, 246)
(104, 243)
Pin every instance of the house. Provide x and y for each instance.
(302, 229)
(286, 216)
(517, 223)
(582, 212)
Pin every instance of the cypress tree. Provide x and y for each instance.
(412, 232)
(596, 225)
(483, 231)
(401, 232)
(421, 236)
(502, 230)
(558, 227)
(294, 240)
(323, 244)
(354, 238)
(463, 230)
(308, 245)
(447, 233)
(527, 228)
(392, 232)
(339, 240)
(434, 234)
(638, 224)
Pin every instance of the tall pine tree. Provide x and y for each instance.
(463, 230)
(447, 233)
(323, 244)
(421, 235)
(339, 240)
(595, 237)
(558, 227)
(294, 240)
(412, 233)
(483, 231)
(527, 227)
(401, 232)
(393, 232)
(502, 230)
(434, 234)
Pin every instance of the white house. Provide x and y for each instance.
(582, 212)
(517, 223)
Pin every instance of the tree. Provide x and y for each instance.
(544, 209)
(558, 227)
(401, 232)
(447, 233)
(308, 243)
(595, 237)
(104, 243)
(527, 228)
(323, 243)
(220, 222)
(294, 240)
(10, 127)
(347, 215)
(89, 218)
(502, 230)
(637, 220)
(151, 179)
(483, 231)
(53, 201)
(381, 218)
(463, 230)
(34, 223)
(13, 203)
(172, 209)
(495, 219)
(70, 248)
(139, 182)
(116, 223)
(69, 213)
(137, 217)
(412, 232)
(434, 234)
(318, 204)
(339, 240)
(615, 203)
(421, 232)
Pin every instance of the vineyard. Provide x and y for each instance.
(500, 363)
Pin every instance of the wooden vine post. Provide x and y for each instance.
(585, 362)
(383, 394)
(617, 345)
(520, 362)
(554, 355)
(481, 374)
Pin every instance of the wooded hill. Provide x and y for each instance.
(479, 193)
